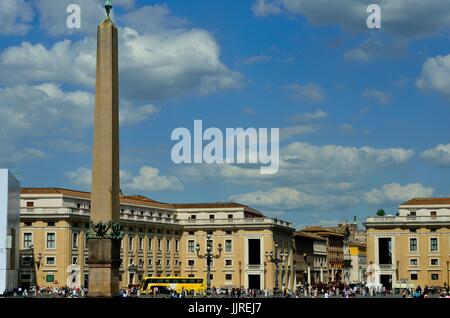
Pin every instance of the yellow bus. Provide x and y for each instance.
(192, 285)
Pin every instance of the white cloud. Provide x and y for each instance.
(15, 16)
(148, 180)
(372, 49)
(255, 59)
(379, 96)
(82, 177)
(263, 8)
(318, 114)
(152, 66)
(347, 128)
(289, 199)
(303, 163)
(436, 75)
(133, 115)
(72, 146)
(10, 154)
(309, 92)
(288, 132)
(38, 109)
(396, 193)
(440, 155)
(400, 17)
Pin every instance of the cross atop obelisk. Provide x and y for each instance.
(105, 232)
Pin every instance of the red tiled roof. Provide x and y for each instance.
(428, 201)
(309, 235)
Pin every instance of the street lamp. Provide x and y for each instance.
(209, 255)
(276, 258)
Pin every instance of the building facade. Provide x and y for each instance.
(160, 240)
(310, 258)
(338, 255)
(411, 247)
(9, 231)
(358, 255)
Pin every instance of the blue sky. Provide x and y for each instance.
(366, 110)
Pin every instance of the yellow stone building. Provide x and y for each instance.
(160, 240)
(411, 248)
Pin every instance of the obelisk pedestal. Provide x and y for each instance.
(104, 236)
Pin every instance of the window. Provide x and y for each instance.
(434, 262)
(229, 232)
(177, 246)
(158, 262)
(50, 278)
(211, 276)
(210, 232)
(159, 245)
(86, 260)
(191, 246)
(433, 215)
(434, 244)
(141, 262)
(211, 263)
(167, 246)
(141, 243)
(131, 261)
(28, 223)
(434, 276)
(413, 262)
(167, 262)
(413, 230)
(413, 245)
(254, 252)
(228, 277)
(228, 246)
(51, 223)
(150, 247)
(51, 240)
(177, 262)
(50, 260)
(74, 240)
(27, 240)
(191, 263)
(130, 243)
(150, 262)
(86, 242)
(413, 213)
(191, 233)
(74, 260)
(414, 277)
(193, 217)
(211, 216)
(30, 204)
(228, 262)
(230, 216)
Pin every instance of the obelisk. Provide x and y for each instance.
(104, 235)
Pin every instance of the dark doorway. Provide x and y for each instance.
(254, 282)
(254, 252)
(386, 281)
(384, 251)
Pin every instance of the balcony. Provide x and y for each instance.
(407, 220)
(242, 221)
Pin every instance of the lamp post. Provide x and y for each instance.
(209, 255)
(276, 258)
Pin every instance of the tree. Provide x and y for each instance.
(381, 212)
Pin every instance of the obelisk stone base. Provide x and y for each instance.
(104, 263)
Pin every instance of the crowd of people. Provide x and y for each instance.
(54, 292)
